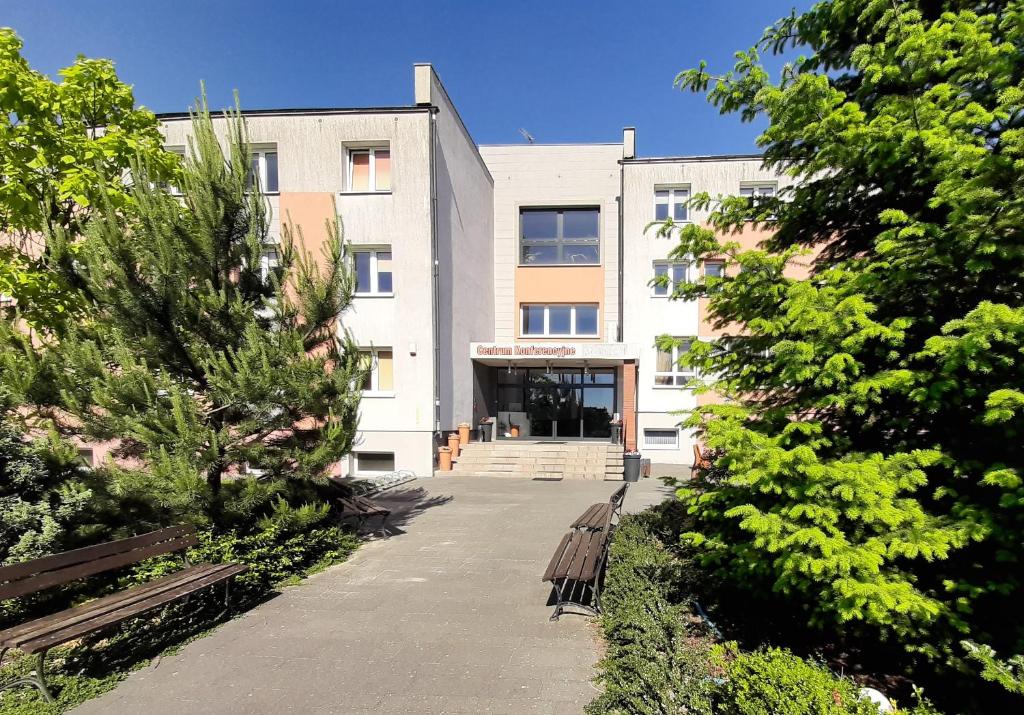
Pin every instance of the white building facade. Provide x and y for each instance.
(507, 283)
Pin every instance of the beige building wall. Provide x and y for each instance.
(312, 175)
(647, 316)
(564, 175)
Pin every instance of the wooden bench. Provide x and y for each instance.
(362, 509)
(700, 461)
(575, 570)
(36, 637)
(599, 516)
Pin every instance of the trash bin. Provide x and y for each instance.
(484, 432)
(631, 466)
(616, 434)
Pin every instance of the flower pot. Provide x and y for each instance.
(514, 430)
(444, 459)
(463, 434)
(453, 444)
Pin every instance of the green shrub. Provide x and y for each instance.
(656, 661)
(774, 680)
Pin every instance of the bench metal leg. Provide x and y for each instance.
(36, 678)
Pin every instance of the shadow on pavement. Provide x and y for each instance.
(405, 505)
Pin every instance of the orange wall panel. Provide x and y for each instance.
(560, 284)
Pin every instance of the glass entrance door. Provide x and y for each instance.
(568, 403)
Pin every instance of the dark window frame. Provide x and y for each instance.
(559, 242)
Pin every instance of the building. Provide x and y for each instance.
(507, 282)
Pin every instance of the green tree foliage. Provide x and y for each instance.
(43, 498)
(196, 360)
(871, 453)
(64, 149)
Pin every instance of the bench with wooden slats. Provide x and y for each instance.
(596, 517)
(575, 570)
(39, 635)
(617, 498)
(361, 509)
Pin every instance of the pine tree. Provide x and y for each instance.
(198, 363)
(871, 461)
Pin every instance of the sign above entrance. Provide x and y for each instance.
(554, 351)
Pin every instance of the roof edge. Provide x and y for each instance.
(313, 111)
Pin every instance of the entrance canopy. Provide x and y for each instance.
(542, 353)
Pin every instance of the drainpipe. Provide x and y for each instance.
(435, 273)
(622, 302)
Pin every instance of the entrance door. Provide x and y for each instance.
(568, 412)
(598, 410)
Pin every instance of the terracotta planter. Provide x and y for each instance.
(514, 430)
(444, 459)
(453, 444)
(463, 434)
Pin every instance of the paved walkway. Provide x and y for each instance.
(447, 616)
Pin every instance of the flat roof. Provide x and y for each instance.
(694, 157)
(406, 109)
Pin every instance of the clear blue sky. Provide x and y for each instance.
(567, 71)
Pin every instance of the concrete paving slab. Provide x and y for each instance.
(447, 615)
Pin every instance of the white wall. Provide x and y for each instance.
(311, 158)
(647, 316)
(527, 175)
(465, 252)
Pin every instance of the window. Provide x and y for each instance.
(369, 169)
(180, 152)
(373, 272)
(85, 457)
(560, 236)
(752, 190)
(714, 269)
(270, 261)
(667, 371)
(380, 370)
(263, 166)
(673, 273)
(563, 321)
(375, 462)
(671, 201)
(661, 438)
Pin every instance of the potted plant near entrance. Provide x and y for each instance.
(513, 429)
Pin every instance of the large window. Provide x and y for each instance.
(373, 272)
(668, 275)
(369, 169)
(671, 201)
(560, 236)
(667, 371)
(559, 320)
(263, 166)
(380, 370)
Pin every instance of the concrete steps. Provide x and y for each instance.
(541, 460)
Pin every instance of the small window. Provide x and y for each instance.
(85, 457)
(562, 321)
(714, 269)
(671, 201)
(669, 275)
(752, 190)
(369, 169)
(179, 151)
(263, 168)
(667, 370)
(373, 272)
(661, 438)
(380, 370)
(375, 462)
(270, 262)
(560, 236)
